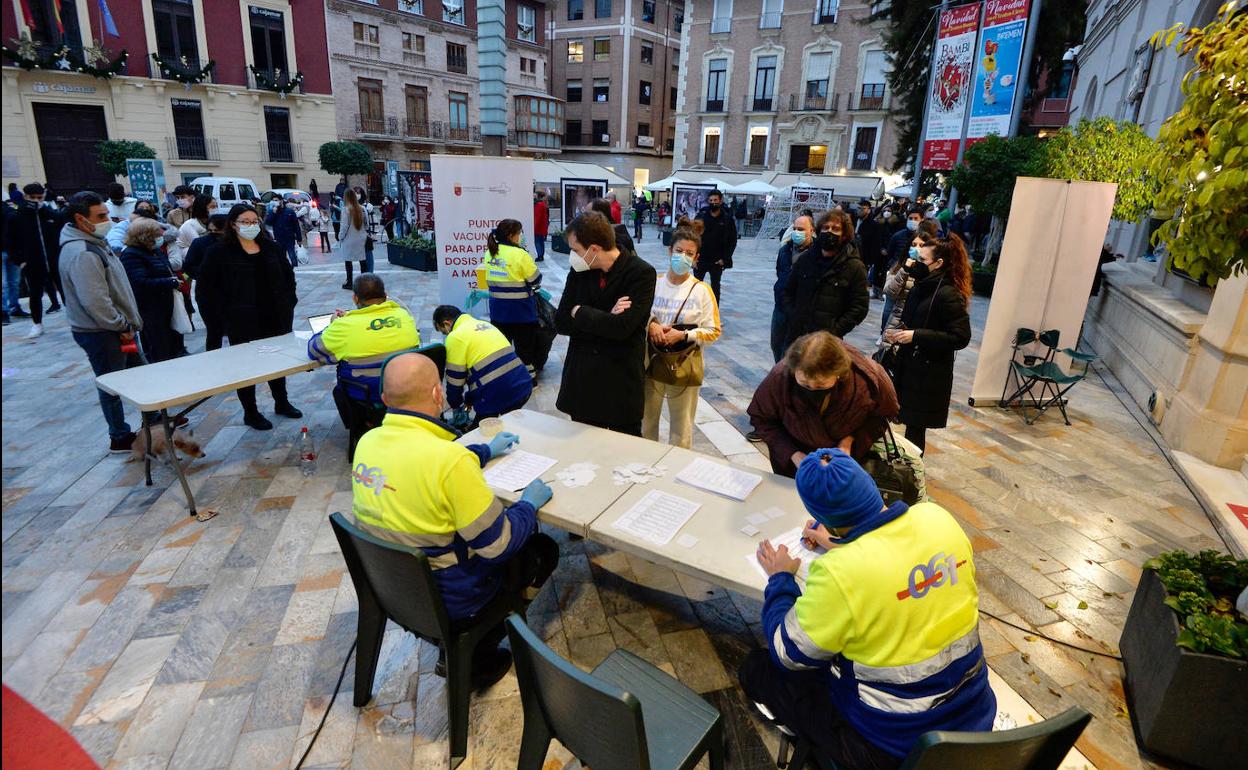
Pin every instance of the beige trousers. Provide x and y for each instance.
(682, 404)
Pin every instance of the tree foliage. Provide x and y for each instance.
(908, 42)
(989, 167)
(344, 158)
(114, 152)
(1103, 150)
(1203, 150)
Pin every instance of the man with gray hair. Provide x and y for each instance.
(99, 303)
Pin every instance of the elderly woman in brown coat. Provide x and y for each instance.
(824, 393)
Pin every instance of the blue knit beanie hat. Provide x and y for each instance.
(836, 490)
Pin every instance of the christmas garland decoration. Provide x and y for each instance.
(182, 70)
(92, 61)
(276, 82)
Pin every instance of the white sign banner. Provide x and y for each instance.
(950, 85)
(1044, 275)
(471, 194)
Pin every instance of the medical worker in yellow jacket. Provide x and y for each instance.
(482, 369)
(512, 279)
(413, 485)
(881, 644)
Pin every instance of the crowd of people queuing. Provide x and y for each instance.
(123, 268)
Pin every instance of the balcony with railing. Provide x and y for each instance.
(418, 129)
(758, 104)
(192, 148)
(280, 81)
(466, 134)
(721, 24)
(871, 96)
(376, 125)
(715, 105)
(185, 68)
(814, 102)
(280, 151)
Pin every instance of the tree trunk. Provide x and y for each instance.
(993, 241)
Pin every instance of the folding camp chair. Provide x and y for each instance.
(1026, 371)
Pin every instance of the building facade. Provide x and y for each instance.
(616, 64)
(406, 73)
(796, 87)
(1179, 347)
(261, 112)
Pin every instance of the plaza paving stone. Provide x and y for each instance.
(161, 642)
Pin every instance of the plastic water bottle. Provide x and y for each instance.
(307, 453)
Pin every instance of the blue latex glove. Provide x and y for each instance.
(544, 294)
(537, 493)
(475, 296)
(501, 443)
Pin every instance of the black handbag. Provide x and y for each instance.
(893, 472)
(886, 357)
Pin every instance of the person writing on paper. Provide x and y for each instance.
(683, 319)
(413, 485)
(359, 341)
(512, 279)
(482, 368)
(604, 311)
(824, 393)
(881, 644)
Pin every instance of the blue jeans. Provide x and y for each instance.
(368, 260)
(12, 285)
(103, 350)
(540, 242)
(778, 323)
(290, 253)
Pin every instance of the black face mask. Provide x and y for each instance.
(715, 206)
(828, 241)
(919, 270)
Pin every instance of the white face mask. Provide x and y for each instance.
(578, 262)
(249, 231)
(101, 228)
(185, 203)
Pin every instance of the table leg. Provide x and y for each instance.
(173, 458)
(147, 452)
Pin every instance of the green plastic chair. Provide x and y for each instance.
(624, 715)
(1041, 746)
(394, 582)
(366, 415)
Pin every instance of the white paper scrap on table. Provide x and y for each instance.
(775, 513)
(268, 349)
(749, 530)
(637, 473)
(686, 541)
(758, 519)
(304, 335)
(657, 517)
(721, 479)
(517, 470)
(577, 475)
(793, 541)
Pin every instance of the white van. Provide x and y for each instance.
(227, 190)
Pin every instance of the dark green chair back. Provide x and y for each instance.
(1024, 336)
(1040, 746)
(598, 722)
(398, 578)
(435, 351)
(1049, 338)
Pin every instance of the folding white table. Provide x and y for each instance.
(195, 378)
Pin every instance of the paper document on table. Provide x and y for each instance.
(516, 470)
(793, 541)
(721, 479)
(303, 335)
(657, 517)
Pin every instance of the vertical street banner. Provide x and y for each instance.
(950, 83)
(471, 194)
(147, 179)
(997, 68)
(390, 182)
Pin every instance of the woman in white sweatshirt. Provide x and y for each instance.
(683, 319)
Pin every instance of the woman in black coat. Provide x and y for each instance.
(193, 266)
(247, 282)
(935, 324)
(154, 286)
(827, 288)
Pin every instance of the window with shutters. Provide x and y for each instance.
(758, 149)
(413, 49)
(764, 82)
(268, 40)
(457, 58)
(716, 83)
(174, 21)
(874, 78)
(807, 157)
(417, 103)
(372, 112)
(721, 16)
(818, 77)
(367, 40)
(710, 146)
(825, 11)
(772, 15)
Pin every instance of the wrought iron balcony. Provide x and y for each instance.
(278, 151)
(376, 125)
(815, 102)
(870, 97)
(192, 148)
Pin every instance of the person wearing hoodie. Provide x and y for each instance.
(31, 240)
(120, 206)
(99, 303)
(827, 288)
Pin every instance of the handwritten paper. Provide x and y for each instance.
(657, 517)
(517, 470)
(793, 541)
(721, 479)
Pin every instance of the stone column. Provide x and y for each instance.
(1208, 417)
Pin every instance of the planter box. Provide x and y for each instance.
(1185, 705)
(416, 259)
(982, 283)
(560, 244)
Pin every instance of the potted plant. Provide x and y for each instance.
(983, 277)
(413, 250)
(1185, 650)
(559, 243)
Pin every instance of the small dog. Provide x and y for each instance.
(183, 441)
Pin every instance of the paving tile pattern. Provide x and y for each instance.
(161, 642)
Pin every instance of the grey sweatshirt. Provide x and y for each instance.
(98, 296)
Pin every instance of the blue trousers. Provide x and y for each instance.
(778, 323)
(888, 313)
(12, 285)
(103, 350)
(540, 242)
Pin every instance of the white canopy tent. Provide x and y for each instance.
(843, 187)
(551, 171)
(752, 187)
(663, 185)
(902, 191)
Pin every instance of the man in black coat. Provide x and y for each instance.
(827, 288)
(872, 241)
(719, 241)
(604, 311)
(899, 243)
(32, 240)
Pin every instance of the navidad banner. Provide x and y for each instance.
(997, 70)
(951, 80)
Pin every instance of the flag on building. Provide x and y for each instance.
(56, 13)
(27, 15)
(110, 26)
